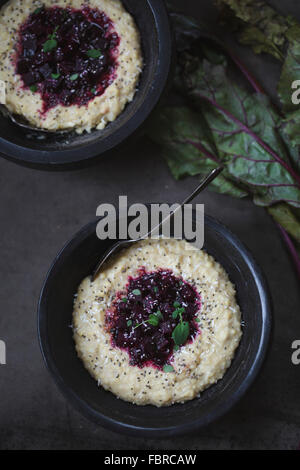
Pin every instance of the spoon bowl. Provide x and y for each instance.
(23, 123)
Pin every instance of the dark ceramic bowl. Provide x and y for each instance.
(77, 260)
(67, 151)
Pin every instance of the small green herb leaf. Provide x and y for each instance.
(197, 320)
(159, 315)
(33, 88)
(179, 311)
(94, 53)
(176, 304)
(180, 333)
(49, 45)
(124, 299)
(74, 77)
(136, 292)
(168, 368)
(37, 11)
(129, 322)
(55, 75)
(153, 320)
(176, 347)
(175, 314)
(155, 289)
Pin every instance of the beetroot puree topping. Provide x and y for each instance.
(68, 56)
(154, 316)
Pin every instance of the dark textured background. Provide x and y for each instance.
(39, 211)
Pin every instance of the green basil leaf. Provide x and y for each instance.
(168, 368)
(74, 77)
(179, 311)
(49, 45)
(94, 53)
(175, 314)
(159, 315)
(180, 333)
(37, 10)
(136, 292)
(153, 320)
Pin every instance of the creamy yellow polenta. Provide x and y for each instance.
(101, 110)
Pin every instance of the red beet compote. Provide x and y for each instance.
(68, 56)
(154, 317)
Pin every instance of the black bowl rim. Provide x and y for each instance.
(180, 429)
(57, 159)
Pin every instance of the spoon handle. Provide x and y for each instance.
(204, 183)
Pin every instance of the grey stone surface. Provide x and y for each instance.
(39, 211)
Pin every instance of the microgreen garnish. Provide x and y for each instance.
(176, 304)
(181, 332)
(197, 320)
(94, 53)
(129, 322)
(51, 43)
(179, 311)
(74, 77)
(124, 299)
(94, 90)
(176, 347)
(159, 315)
(37, 11)
(155, 288)
(153, 320)
(136, 292)
(168, 368)
(33, 88)
(55, 75)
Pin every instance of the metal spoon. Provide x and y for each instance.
(22, 122)
(124, 243)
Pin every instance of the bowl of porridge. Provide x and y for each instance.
(78, 78)
(165, 340)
